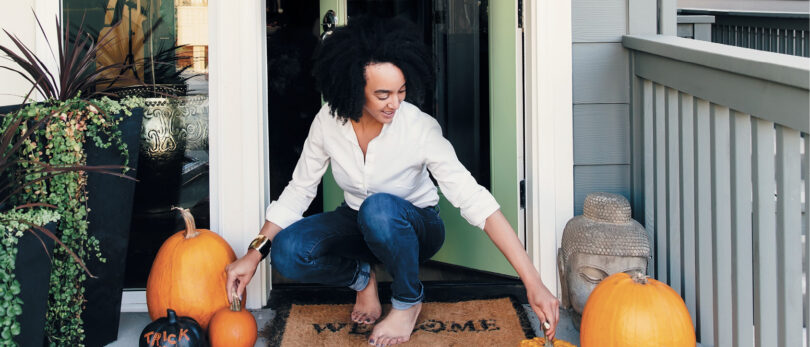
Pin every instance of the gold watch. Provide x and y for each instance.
(262, 244)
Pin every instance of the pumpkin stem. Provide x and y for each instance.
(639, 277)
(191, 228)
(172, 316)
(236, 303)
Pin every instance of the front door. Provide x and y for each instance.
(477, 100)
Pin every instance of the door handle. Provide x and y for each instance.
(329, 23)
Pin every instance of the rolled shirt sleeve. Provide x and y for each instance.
(302, 188)
(455, 181)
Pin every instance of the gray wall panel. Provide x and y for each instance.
(601, 134)
(601, 73)
(601, 82)
(599, 20)
(600, 178)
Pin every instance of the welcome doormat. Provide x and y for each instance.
(493, 322)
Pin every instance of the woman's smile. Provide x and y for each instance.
(384, 91)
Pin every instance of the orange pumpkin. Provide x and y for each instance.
(188, 274)
(626, 310)
(232, 327)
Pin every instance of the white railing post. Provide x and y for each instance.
(688, 203)
(742, 254)
(764, 238)
(703, 212)
(789, 236)
(721, 223)
(649, 168)
(660, 184)
(673, 190)
(806, 178)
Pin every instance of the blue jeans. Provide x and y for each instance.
(336, 248)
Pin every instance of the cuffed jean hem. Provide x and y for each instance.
(404, 305)
(362, 277)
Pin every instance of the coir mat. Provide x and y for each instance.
(491, 322)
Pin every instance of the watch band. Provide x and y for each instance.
(262, 244)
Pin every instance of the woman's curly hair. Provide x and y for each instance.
(341, 60)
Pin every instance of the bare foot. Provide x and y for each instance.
(396, 328)
(367, 308)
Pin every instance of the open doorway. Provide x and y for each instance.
(457, 33)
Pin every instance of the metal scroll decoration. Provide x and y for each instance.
(172, 128)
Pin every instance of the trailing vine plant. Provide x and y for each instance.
(13, 224)
(61, 143)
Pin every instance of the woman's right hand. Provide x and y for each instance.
(240, 272)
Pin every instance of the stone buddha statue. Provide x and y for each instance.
(601, 242)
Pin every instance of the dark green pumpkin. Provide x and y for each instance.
(173, 331)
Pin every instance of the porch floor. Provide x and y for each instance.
(132, 324)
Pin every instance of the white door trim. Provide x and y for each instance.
(46, 11)
(239, 162)
(549, 131)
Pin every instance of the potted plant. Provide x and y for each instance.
(84, 120)
(26, 229)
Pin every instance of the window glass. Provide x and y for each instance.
(165, 46)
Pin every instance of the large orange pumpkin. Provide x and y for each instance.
(188, 274)
(232, 327)
(626, 310)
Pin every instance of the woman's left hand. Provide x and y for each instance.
(543, 302)
(546, 306)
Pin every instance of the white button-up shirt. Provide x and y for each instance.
(396, 162)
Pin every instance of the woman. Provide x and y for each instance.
(381, 148)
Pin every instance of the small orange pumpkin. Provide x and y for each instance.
(541, 342)
(232, 326)
(188, 274)
(626, 310)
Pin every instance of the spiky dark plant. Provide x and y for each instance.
(161, 68)
(77, 72)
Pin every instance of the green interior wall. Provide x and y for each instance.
(464, 244)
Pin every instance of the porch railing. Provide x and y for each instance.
(722, 135)
(772, 32)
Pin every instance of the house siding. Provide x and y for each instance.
(601, 97)
(18, 19)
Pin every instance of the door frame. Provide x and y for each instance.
(238, 130)
(240, 183)
(549, 131)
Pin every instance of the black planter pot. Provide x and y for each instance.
(10, 108)
(32, 269)
(110, 199)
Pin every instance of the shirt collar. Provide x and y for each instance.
(348, 131)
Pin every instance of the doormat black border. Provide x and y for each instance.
(438, 291)
(273, 332)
